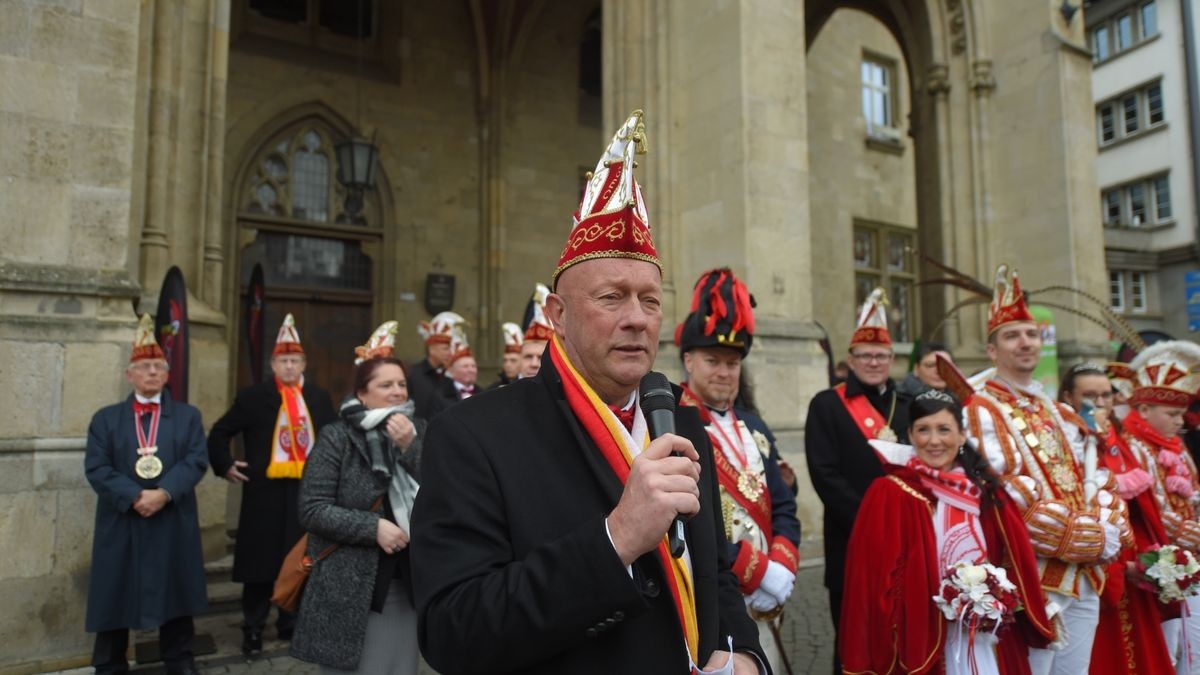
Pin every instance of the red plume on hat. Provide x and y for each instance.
(722, 314)
(611, 221)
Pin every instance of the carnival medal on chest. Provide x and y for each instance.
(148, 465)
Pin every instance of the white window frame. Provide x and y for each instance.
(1103, 36)
(886, 129)
(1149, 187)
(1118, 109)
(1116, 290)
(1138, 292)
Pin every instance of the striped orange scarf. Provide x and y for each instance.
(602, 426)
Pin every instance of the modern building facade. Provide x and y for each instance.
(1143, 83)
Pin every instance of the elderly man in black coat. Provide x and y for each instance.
(539, 532)
(275, 447)
(841, 422)
(144, 458)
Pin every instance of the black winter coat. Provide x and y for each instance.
(431, 392)
(268, 526)
(842, 464)
(513, 569)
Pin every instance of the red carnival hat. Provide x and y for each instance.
(144, 345)
(439, 328)
(381, 344)
(288, 341)
(1168, 373)
(459, 347)
(1122, 377)
(513, 338)
(537, 324)
(1008, 302)
(611, 221)
(872, 326)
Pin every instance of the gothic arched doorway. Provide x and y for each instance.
(317, 264)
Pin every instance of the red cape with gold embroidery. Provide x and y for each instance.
(889, 621)
(1124, 643)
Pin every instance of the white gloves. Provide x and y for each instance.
(777, 582)
(761, 601)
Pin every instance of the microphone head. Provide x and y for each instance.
(655, 391)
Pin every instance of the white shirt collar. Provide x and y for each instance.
(157, 398)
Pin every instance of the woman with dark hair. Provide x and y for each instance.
(942, 506)
(357, 492)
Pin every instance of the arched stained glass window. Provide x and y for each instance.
(295, 177)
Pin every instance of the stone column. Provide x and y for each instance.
(184, 62)
(723, 86)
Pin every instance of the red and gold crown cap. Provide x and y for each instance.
(611, 221)
(872, 328)
(1008, 302)
(1168, 373)
(144, 345)
(288, 340)
(538, 326)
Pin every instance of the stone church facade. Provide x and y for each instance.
(144, 134)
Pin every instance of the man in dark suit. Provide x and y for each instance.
(841, 421)
(279, 420)
(144, 458)
(429, 388)
(538, 534)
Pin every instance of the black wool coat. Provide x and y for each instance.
(513, 569)
(336, 496)
(431, 392)
(268, 525)
(842, 464)
(145, 571)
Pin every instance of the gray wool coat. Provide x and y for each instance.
(336, 495)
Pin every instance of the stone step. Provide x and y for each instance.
(219, 569)
(224, 597)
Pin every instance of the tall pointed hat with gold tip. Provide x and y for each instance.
(144, 345)
(611, 221)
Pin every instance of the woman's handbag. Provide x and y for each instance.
(293, 574)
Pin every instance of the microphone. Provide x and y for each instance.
(658, 405)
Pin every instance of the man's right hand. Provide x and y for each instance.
(659, 488)
(235, 476)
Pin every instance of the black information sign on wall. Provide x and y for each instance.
(439, 293)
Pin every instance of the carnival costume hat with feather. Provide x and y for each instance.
(722, 314)
(381, 344)
(459, 347)
(513, 337)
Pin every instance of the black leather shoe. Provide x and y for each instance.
(252, 644)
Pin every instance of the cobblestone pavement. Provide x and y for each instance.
(807, 636)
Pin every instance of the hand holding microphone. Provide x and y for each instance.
(662, 488)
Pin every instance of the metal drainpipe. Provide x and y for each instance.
(1193, 92)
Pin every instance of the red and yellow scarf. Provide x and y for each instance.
(604, 429)
(293, 434)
